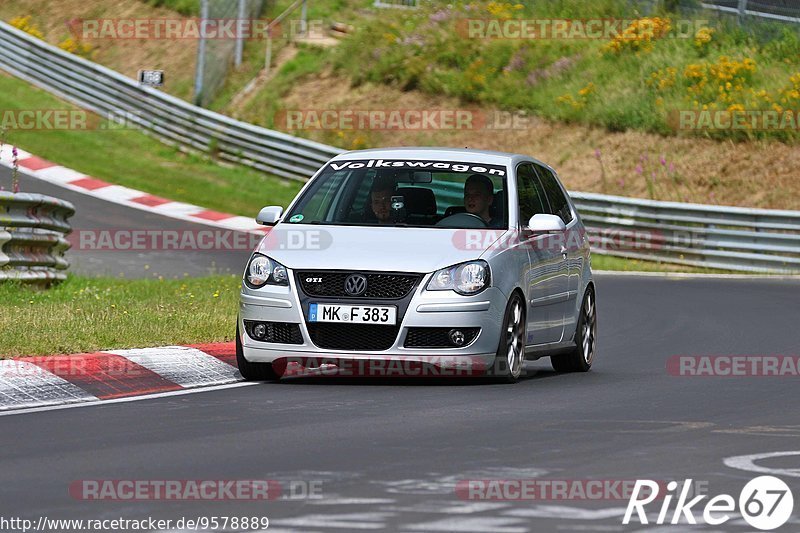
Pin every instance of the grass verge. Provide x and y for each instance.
(608, 262)
(106, 313)
(129, 157)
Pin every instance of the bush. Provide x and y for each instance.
(25, 24)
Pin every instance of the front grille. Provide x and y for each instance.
(366, 337)
(437, 337)
(379, 286)
(278, 332)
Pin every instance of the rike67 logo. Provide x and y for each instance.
(765, 503)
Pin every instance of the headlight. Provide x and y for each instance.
(261, 270)
(467, 278)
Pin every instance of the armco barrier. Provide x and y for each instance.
(732, 238)
(723, 237)
(33, 230)
(172, 120)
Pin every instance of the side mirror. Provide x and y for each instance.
(542, 223)
(269, 216)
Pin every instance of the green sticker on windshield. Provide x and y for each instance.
(296, 218)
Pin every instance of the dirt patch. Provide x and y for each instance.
(753, 174)
(240, 100)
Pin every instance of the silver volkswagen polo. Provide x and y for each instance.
(461, 261)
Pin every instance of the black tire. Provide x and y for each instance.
(510, 356)
(580, 359)
(253, 371)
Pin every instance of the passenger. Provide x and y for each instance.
(478, 198)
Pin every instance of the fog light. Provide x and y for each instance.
(259, 330)
(457, 337)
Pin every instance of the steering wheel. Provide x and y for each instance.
(463, 220)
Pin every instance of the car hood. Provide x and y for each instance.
(304, 246)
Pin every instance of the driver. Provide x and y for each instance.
(478, 198)
(381, 199)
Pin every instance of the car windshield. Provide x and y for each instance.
(417, 193)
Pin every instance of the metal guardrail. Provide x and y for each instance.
(723, 237)
(33, 230)
(709, 236)
(172, 120)
(732, 238)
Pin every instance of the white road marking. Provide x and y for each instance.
(764, 431)
(116, 193)
(444, 485)
(447, 507)
(95, 403)
(187, 367)
(5, 154)
(564, 512)
(176, 209)
(351, 501)
(239, 223)
(348, 521)
(748, 463)
(61, 175)
(23, 384)
(478, 524)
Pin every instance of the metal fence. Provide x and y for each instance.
(781, 10)
(215, 56)
(33, 230)
(397, 3)
(172, 120)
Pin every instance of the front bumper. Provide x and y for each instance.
(425, 309)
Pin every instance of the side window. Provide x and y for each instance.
(558, 201)
(320, 200)
(360, 199)
(530, 194)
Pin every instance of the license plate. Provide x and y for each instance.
(355, 314)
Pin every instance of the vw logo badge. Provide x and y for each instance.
(355, 285)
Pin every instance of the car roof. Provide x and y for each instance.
(438, 153)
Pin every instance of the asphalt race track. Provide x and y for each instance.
(389, 454)
(94, 215)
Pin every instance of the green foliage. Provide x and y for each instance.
(606, 82)
(104, 313)
(131, 158)
(184, 7)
